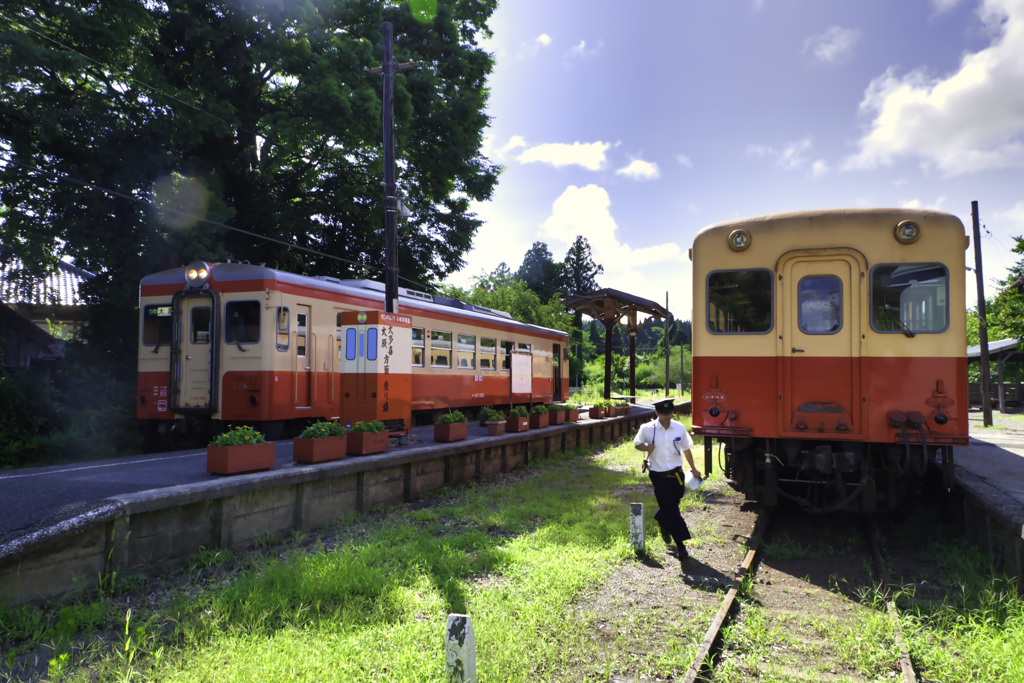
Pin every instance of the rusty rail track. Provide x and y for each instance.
(906, 666)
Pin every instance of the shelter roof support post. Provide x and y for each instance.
(632, 356)
(609, 325)
(1002, 393)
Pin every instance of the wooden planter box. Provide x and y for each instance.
(539, 421)
(572, 415)
(557, 417)
(320, 450)
(250, 457)
(455, 431)
(628, 409)
(496, 428)
(596, 413)
(517, 424)
(367, 443)
(612, 411)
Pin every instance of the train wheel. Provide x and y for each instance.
(745, 471)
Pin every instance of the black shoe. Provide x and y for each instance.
(683, 557)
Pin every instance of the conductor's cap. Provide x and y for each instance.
(665, 406)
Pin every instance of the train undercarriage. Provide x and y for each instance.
(827, 476)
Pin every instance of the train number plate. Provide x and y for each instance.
(714, 397)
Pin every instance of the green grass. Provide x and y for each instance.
(594, 391)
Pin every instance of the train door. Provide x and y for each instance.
(556, 363)
(376, 369)
(194, 357)
(303, 357)
(820, 333)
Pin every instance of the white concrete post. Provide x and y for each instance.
(636, 527)
(460, 650)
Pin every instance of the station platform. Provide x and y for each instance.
(996, 454)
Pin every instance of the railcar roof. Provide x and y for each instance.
(825, 214)
(370, 289)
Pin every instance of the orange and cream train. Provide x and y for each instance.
(240, 343)
(829, 352)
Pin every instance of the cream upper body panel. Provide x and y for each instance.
(870, 234)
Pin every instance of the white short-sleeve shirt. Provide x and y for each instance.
(669, 444)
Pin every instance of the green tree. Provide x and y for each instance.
(540, 272)
(579, 273)
(257, 114)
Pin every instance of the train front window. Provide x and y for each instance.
(243, 322)
(201, 325)
(910, 298)
(820, 302)
(157, 325)
(440, 349)
(739, 301)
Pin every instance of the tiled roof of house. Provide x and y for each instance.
(59, 287)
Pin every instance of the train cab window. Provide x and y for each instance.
(910, 298)
(440, 349)
(820, 301)
(488, 354)
(417, 346)
(201, 325)
(284, 322)
(242, 322)
(350, 344)
(300, 334)
(157, 325)
(371, 343)
(739, 301)
(506, 355)
(524, 347)
(467, 352)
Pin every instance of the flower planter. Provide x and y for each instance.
(572, 415)
(612, 411)
(539, 421)
(517, 424)
(496, 428)
(596, 413)
(557, 417)
(453, 431)
(367, 443)
(627, 409)
(250, 457)
(320, 450)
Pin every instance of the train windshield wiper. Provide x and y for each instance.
(906, 330)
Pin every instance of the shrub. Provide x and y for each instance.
(539, 409)
(322, 430)
(239, 436)
(369, 427)
(518, 411)
(492, 414)
(559, 408)
(451, 417)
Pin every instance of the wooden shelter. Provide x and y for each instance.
(610, 306)
(1000, 351)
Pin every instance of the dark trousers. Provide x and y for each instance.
(669, 492)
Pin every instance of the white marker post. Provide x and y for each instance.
(636, 527)
(460, 650)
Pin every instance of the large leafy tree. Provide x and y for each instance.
(540, 272)
(252, 113)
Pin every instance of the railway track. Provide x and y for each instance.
(794, 607)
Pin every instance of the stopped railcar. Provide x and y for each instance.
(829, 352)
(240, 343)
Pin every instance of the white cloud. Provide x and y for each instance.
(586, 211)
(759, 150)
(819, 168)
(640, 170)
(911, 204)
(488, 149)
(589, 155)
(581, 50)
(544, 39)
(1014, 217)
(967, 121)
(834, 46)
(793, 158)
(757, 5)
(944, 5)
(684, 160)
(916, 204)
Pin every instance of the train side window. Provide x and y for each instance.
(506, 355)
(157, 325)
(201, 325)
(820, 304)
(523, 346)
(371, 344)
(488, 354)
(417, 346)
(300, 334)
(350, 344)
(467, 352)
(910, 298)
(739, 301)
(243, 322)
(440, 349)
(284, 322)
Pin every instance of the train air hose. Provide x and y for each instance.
(803, 502)
(922, 464)
(906, 445)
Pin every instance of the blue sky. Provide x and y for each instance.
(637, 124)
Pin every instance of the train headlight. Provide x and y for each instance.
(907, 232)
(739, 240)
(197, 274)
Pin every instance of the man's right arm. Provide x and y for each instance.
(640, 442)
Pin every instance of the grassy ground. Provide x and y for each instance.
(592, 392)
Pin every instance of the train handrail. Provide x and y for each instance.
(330, 352)
(295, 368)
(313, 368)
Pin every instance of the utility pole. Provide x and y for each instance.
(668, 346)
(388, 68)
(986, 405)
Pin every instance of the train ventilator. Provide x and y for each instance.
(829, 353)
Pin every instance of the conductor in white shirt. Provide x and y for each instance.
(666, 442)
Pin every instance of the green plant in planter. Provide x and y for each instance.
(539, 409)
(518, 411)
(366, 427)
(559, 408)
(239, 436)
(451, 417)
(572, 406)
(322, 430)
(492, 414)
